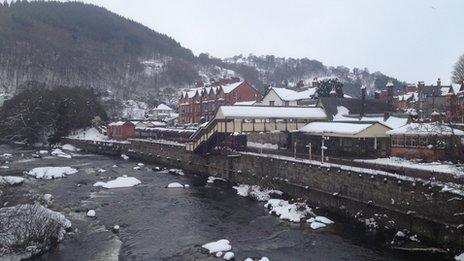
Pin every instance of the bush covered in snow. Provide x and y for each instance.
(30, 229)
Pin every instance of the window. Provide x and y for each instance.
(398, 141)
(287, 103)
(423, 142)
(271, 103)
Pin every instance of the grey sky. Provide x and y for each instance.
(408, 39)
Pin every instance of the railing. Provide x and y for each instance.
(202, 135)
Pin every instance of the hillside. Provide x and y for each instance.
(77, 44)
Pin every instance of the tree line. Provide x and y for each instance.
(45, 115)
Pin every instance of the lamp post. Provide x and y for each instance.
(309, 149)
(323, 148)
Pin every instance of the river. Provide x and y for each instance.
(158, 223)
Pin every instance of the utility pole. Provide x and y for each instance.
(294, 150)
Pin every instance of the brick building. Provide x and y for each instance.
(199, 104)
(121, 130)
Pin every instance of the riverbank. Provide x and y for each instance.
(429, 209)
(160, 223)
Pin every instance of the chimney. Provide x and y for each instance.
(390, 93)
(363, 100)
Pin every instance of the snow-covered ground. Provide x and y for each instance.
(89, 134)
(120, 182)
(449, 168)
(51, 172)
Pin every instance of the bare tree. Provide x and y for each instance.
(458, 71)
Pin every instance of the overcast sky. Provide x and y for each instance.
(409, 39)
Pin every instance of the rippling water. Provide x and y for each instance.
(157, 223)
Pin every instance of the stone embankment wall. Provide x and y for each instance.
(393, 202)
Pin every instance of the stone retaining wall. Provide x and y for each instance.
(394, 203)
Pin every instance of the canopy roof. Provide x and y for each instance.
(269, 112)
(346, 129)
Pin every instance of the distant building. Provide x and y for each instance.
(161, 112)
(429, 100)
(200, 104)
(287, 97)
(428, 141)
(354, 106)
(121, 130)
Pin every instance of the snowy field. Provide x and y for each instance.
(454, 169)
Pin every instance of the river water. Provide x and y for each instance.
(157, 223)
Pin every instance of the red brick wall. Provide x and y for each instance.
(121, 132)
(197, 108)
(417, 153)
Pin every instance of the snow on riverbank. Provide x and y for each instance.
(51, 172)
(60, 153)
(292, 212)
(120, 182)
(256, 192)
(11, 180)
(28, 230)
(454, 169)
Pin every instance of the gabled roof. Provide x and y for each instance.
(163, 107)
(291, 95)
(215, 89)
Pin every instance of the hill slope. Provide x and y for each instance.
(77, 44)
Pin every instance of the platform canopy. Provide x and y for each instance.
(346, 129)
(270, 112)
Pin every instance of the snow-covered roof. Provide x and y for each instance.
(391, 121)
(265, 112)
(226, 88)
(291, 95)
(117, 123)
(334, 127)
(426, 129)
(245, 103)
(346, 129)
(163, 107)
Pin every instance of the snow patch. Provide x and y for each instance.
(256, 192)
(60, 153)
(51, 172)
(11, 180)
(175, 185)
(218, 246)
(120, 182)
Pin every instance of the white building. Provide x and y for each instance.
(162, 112)
(287, 97)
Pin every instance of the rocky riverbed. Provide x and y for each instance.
(146, 220)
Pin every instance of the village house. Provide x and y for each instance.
(425, 101)
(161, 113)
(428, 141)
(121, 130)
(200, 104)
(287, 97)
